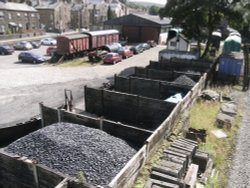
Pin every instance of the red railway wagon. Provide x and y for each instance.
(72, 44)
(102, 38)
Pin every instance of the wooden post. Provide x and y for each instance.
(41, 113)
(59, 115)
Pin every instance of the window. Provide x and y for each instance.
(32, 15)
(18, 14)
(1, 14)
(173, 44)
(2, 29)
(51, 16)
(25, 14)
(10, 16)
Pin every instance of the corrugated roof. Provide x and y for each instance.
(17, 7)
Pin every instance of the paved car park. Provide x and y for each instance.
(11, 61)
(23, 86)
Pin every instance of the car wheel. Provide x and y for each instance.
(114, 62)
(2, 53)
(34, 61)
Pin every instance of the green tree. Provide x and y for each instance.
(197, 18)
(154, 10)
(243, 8)
(110, 14)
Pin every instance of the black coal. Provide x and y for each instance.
(71, 148)
(184, 80)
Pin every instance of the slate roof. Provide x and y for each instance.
(48, 4)
(17, 7)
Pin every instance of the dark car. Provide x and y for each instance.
(36, 44)
(6, 49)
(97, 55)
(145, 46)
(137, 49)
(31, 57)
(112, 57)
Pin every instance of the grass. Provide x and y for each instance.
(202, 116)
(74, 63)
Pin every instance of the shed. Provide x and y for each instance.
(177, 41)
(139, 27)
(231, 64)
(232, 44)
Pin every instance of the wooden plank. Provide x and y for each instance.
(166, 178)
(162, 184)
(167, 170)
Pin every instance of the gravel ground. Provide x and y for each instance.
(23, 88)
(71, 148)
(240, 169)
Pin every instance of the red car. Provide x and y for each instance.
(125, 53)
(50, 50)
(112, 58)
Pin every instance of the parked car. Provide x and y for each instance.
(97, 55)
(23, 45)
(48, 41)
(50, 50)
(31, 57)
(6, 49)
(125, 52)
(112, 57)
(36, 44)
(136, 49)
(145, 46)
(152, 43)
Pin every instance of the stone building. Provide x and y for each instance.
(18, 18)
(55, 16)
(98, 10)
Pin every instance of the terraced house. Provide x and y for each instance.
(18, 18)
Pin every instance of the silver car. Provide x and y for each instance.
(23, 45)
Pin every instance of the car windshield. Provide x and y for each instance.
(6, 47)
(35, 55)
(109, 55)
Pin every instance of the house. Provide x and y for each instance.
(18, 18)
(79, 16)
(177, 41)
(139, 27)
(98, 12)
(54, 16)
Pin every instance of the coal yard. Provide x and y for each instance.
(72, 148)
(110, 139)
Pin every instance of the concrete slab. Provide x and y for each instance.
(191, 176)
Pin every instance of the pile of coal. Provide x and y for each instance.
(72, 149)
(184, 80)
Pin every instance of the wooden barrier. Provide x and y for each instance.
(16, 171)
(128, 174)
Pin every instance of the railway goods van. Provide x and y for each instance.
(78, 44)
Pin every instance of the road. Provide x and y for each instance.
(23, 86)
